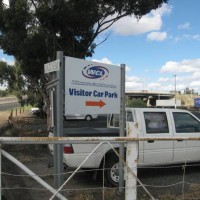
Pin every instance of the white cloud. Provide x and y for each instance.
(187, 37)
(196, 37)
(131, 26)
(195, 84)
(134, 83)
(163, 79)
(128, 69)
(132, 79)
(190, 77)
(191, 37)
(163, 10)
(181, 86)
(177, 39)
(107, 61)
(134, 86)
(157, 36)
(150, 22)
(187, 71)
(103, 60)
(196, 75)
(154, 85)
(184, 26)
(184, 66)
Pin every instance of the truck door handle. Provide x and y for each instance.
(179, 140)
(150, 141)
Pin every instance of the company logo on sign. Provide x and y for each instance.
(95, 72)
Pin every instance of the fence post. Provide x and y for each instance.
(131, 160)
(11, 114)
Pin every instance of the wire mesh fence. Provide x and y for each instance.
(179, 181)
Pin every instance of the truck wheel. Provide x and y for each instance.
(88, 117)
(112, 171)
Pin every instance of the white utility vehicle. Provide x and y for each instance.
(151, 123)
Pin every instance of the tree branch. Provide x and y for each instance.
(41, 91)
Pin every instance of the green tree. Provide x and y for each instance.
(4, 72)
(12, 75)
(34, 30)
(136, 103)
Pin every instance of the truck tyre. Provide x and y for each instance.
(88, 117)
(112, 171)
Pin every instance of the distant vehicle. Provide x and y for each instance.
(87, 117)
(35, 111)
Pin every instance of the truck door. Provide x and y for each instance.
(113, 121)
(186, 125)
(156, 124)
(131, 117)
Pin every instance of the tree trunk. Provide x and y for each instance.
(49, 126)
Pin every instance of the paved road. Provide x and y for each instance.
(7, 103)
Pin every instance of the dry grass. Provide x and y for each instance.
(112, 194)
(108, 194)
(187, 99)
(192, 194)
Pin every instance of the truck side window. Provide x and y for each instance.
(115, 120)
(129, 116)
(186, 123)
(156, 122)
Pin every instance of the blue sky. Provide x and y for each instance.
(164, 43)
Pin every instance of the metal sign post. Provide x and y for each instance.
(122, 129)
(58, 120)
(56, 68)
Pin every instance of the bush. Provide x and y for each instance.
(136, 103)
(3, 93)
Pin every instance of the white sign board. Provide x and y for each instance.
(52, 66)
(91, 87)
